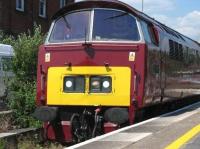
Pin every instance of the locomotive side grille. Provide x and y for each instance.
(92, 86)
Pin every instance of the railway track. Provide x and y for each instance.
(10, 138)
(5, 120)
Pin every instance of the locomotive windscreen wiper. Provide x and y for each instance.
(66, 22)
(117, 16)
(88, 46)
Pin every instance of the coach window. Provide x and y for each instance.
(6, 63)
(20, 5)
(114, 25)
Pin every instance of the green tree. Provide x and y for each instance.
(22, 88)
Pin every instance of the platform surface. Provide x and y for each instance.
(178, 129)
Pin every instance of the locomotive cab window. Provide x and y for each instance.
(114, 25)
(72, 27)
(95, 25)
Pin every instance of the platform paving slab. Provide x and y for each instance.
(156, 134)
(192, 144)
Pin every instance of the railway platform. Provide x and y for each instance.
(178, 129)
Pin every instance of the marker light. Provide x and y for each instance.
(95, 84)
(100, 84)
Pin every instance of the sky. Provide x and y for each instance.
(181, 15)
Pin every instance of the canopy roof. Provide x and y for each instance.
(6, 50)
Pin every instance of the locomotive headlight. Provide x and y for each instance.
(100, 84)
(68, 84)
(74, 84)
(106, 84)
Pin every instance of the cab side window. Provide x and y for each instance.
(146, 34)
(149, 33)
(152, 32)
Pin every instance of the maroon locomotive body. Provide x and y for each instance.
(102, 62)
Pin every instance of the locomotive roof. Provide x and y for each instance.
(115, 4)
(93, 4)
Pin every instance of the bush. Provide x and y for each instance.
(22, 101)
(2, 144)
(22, 88)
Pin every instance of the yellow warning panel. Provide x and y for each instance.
(120, 95)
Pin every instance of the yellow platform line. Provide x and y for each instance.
(185, 138)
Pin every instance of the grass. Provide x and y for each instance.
(33, 142)
(28, 142)
(2, 144)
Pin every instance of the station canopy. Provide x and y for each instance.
(6, 50)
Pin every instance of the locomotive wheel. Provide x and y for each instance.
(75, 127)
(80, 128)
(85, 129)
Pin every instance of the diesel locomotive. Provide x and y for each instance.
(102, 62)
